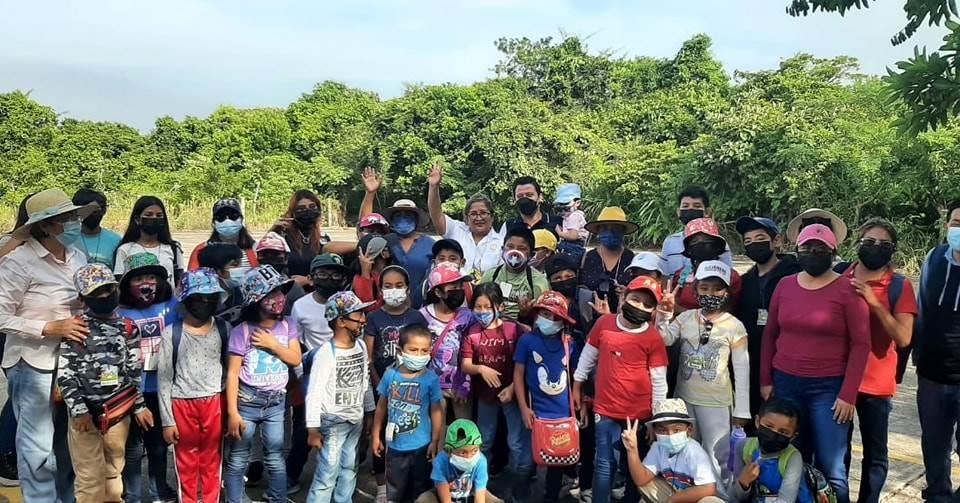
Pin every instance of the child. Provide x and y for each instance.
(223, 259)
(410, 412)
(543, 364)
(710, 340)
(520, 283)
(488, 354)
(448, 321)
(768, 465)
(190, 372)
(260, 351)
(630, 359)
(676, 468)
(545, 246)
(338, 394)
(146, 298)
(106, 365)
(459, 471)
(449, 251)
(329, 276)
(573, 233)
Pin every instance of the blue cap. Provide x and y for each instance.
(566, 193)
(747, 224)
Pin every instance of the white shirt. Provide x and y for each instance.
(170, 258)
(479, 257)
(690, 467)
(672, 253)
(339, 385)
(36, 287)
(311, 320)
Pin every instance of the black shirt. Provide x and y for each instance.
(547, 221)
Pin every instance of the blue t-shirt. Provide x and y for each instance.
(100, 248)
(408, 407)
(417, 262)
(151, 321)
(547, 378)
(463, 485)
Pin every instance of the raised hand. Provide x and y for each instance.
(600, 306)
(668, 302)
(629, 435)
(436, 174)
(371, 180)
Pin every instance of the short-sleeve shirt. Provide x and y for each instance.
(169, 256)
(311, 320)
(416, 261)
(688, 468)
(516, 286)
(101, 247)
(463, 485)
(704, 379)
(547, 373)
(478, 257)
(385, 330)
(151, 321)
(493, 348)
(408, 407)
(262, 369)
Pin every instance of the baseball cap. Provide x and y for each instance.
(329, 260)
(344, 303)
(561, 262)
(462, 433)
(372, 244)
(567, 193)
(714, 269)
(647, 261)
(646, 283)
(747, 224)
(444, 274)
(817, 232)
(227, 203)
(556, 304)
(543, 238)
(272, 242)
(373, 220)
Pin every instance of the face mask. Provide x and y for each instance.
(454, 299)
(229, 229)
(710, 303)
(70, 234)
(306, 218)
(874, 257)
(673, 443)
(759, 252)
(701, 252)
(414, 363)
(635, 315)
(145, 293)
(326, 287)
(610, 239)
(815, 264)
(567, 287)
(102, 306)
(514, 258)
(403, 224)
(237, 274)
(464, 464)
(953, 238)
(687, 216)
(548, 327)
(394, 297)
(527, 207)
(151, 225)
(279, 265)
(93, 221)
(275, 305)
(536, 261)
(771, 441)
(485, 318)
(201, 308)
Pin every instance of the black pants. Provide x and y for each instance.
(873, 413)
(299, 449)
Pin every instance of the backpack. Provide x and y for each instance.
(814, 488)
(221, 329)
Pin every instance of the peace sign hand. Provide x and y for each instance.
(668, 302)
(629, 435)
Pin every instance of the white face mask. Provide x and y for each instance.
(464, 464)
(673, 443)
(394, 297)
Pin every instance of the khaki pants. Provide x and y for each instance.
(660, 491)
(98, 462)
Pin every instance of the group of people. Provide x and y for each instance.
(626, 375)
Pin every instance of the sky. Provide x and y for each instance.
(132, 62)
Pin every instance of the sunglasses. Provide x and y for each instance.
(227, 216)
(705, 334)
(886, 245)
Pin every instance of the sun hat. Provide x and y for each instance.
(817, 232)
(92, 276)
(328, 261)
(646, 283)
(202, 281)
(462, 433)
(556, 304)
(373, 220)
(747, 224)
(817, 216)
(648, 261)
(259, 281)
(342, 304)
(543, 238)
(670, 410)
(409, 207)
(567, 193)
(272, 241)
(143, 263)
(444, 274)
(612, 215)
(714, 269)
(227, 203)
(47, 204)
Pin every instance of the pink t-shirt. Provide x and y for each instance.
(576, 221)
(262, 369)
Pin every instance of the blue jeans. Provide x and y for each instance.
(152, 440)
(336, 473)
(822, 441)
(266, 410)
(939, 408)
(610, 455)
(518, 440)
(873, 412)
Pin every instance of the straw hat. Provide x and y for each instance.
(612, 215)
(47, 204)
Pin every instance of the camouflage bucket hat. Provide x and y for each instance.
(462, 433)
(344, 303)
(92, 276)
(203, 281)
(260, 281)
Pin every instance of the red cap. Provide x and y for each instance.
(444, 274)
(372, 220)
(646, 283)
(556, 304)
(817, 232)
(702, 226)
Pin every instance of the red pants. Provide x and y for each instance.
(199, 451)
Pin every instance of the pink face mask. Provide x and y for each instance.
(275, 304)
(145, 292)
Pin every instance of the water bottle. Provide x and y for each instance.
(737, 436)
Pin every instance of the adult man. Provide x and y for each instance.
(528, 197)
(693, 203)
(38, 301)
(99, 244)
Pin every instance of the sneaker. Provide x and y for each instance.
(8, 471)
(586, 496)
(618, 493)
(381, 494)
(364, 494)
(293, 487)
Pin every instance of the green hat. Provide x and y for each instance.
(462, 433)
(143, 263)
(328, 260)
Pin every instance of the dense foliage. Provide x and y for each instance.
(632, 131)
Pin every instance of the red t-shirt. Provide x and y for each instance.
(880, 376)
(624, 360)
(687, 297)
(493, 348)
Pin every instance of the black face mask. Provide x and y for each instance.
(279, 265)
(327, 287)
(759, 252)
(307, 218)
(815, 263)
(527, 207)
(151, 225)
(635, 315)
(93, 221)
(687, 216)
(454, 299)
(771, 441)
(874, 257)
(202, 308)
(701, 252)
(102, 306)
(567, 287)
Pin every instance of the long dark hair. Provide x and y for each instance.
(245, 241)
(132, 234)
(22, 215)
(296, 235)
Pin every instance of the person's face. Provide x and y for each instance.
(324, 274)
(878, 236)
(953, 219)
(542, 254)
(444, 291)
(784, 425)
(449, 256)
(563, 276)
(636, 272)
(547, 315)
(517, 243)
(154, 211)
(671, 428)
(641, 299)
(103, 293)
(227, 215)
(701, 238)
(306, 205)
(757, 236)
(467, 452)
(393, 280)
(693, 203)
(54, 226)
(99, 210)
(711, 286)
(527, 192)
(483, 304)
(814, 246)
(418, 345)
(479, 218)
(137, 281)
(353, 322)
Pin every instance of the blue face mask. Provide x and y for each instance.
(485, 319)
(673, 443)
(953, 238)
(228, 229)
(404, 224)
(414, 363)
(548, 327)
(612, 239)
(70, 234)
(464, 464)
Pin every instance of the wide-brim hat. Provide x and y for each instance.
(612, 215)
(837, 225)
(259, 281)
(143, 263)
(406, 205)
(202, 281)
(47, 204)
(671, 410)
(557, 304)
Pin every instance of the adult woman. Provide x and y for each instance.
(228, 227)
(604, 268)
(815, 350)
(300, 225)
(149, 232)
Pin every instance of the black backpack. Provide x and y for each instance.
(178, 335)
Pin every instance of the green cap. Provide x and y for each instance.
(330, 260)
(462, 433)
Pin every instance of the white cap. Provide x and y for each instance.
(714, 269)
(648, 261)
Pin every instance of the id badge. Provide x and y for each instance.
(506, 288)
(109, 376)
(695, 363)
(762, 317)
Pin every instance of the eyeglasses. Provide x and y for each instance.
(301, 209)
(479, 214)
(354, 320)
(336, 276)
(886, 245)
(705, 334)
